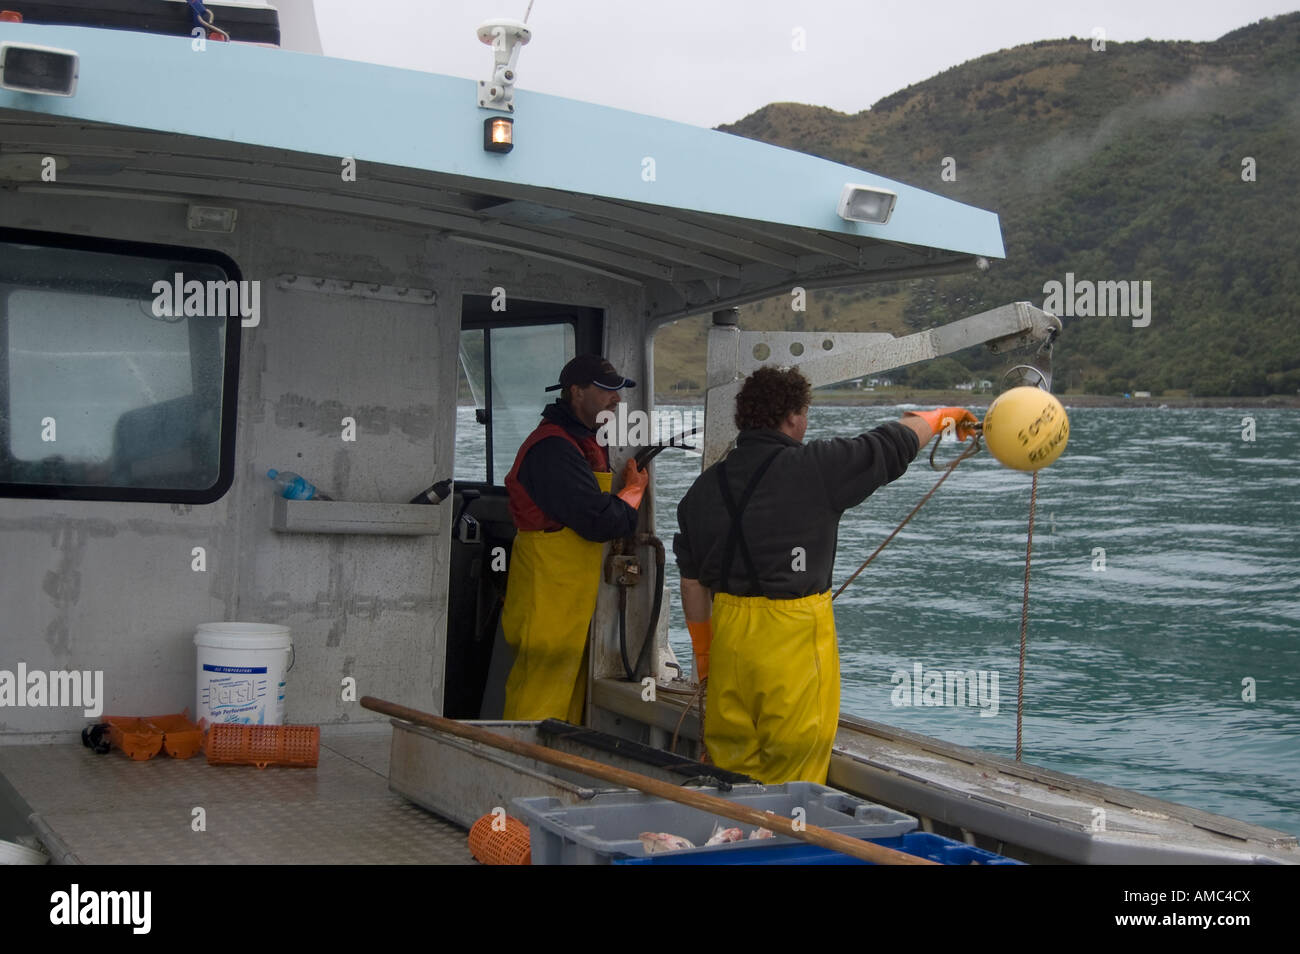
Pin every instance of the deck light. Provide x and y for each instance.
(27, 68)
(859, 203)
(498, 134)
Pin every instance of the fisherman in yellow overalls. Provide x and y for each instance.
(560, 501)
(755, 551)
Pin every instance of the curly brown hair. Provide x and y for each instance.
(769, 394)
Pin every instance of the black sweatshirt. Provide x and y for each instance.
(792, 521)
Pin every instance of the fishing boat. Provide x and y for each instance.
(221, 256)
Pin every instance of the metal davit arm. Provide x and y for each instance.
(827, 357)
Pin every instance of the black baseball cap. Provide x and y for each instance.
(587, 369)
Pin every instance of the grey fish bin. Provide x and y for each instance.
(607, 827)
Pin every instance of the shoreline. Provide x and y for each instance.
(967, 399)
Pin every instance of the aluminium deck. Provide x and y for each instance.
(106, 809)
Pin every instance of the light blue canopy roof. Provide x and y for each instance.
(720, 209)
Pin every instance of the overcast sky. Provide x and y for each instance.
(708, 62)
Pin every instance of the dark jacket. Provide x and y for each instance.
(792, 521)
(560, 481)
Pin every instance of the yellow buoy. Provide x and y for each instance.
(1026, 428)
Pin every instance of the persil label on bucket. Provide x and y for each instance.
(234, 693)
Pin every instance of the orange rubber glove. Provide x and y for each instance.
(635, 482)
(963, 420)
(701, 640)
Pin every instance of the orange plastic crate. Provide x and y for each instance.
(181, 738)
(134, 736)
(143, 738)
(263, 745)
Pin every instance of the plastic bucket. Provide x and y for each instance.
(241, 672)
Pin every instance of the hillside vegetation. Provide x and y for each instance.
(1117, 165)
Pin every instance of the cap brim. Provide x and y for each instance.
(623, 383)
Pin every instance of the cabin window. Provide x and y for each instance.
(509, 356)
(108, 389)
(505, 372)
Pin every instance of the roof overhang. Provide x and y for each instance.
(700, 219)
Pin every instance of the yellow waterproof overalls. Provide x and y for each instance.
(774, 687)
(773, 700)
(550, 596)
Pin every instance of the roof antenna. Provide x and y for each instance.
(505, 36)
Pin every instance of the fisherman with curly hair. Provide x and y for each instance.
(755, 552)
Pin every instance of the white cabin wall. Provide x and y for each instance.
(370, 607)
(108, 586)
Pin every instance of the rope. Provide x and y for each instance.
(1024, 615)
(697, 697)
(968, 452)
(1029, 550)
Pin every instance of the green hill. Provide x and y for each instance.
(1117, 165)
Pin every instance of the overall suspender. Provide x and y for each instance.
(736, 536)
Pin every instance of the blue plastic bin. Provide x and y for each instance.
(946, 851)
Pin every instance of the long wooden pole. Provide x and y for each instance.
(653, 786)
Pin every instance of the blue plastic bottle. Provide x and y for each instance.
(291, 486)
